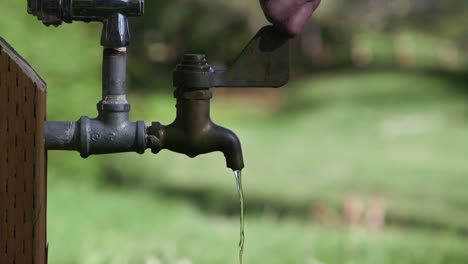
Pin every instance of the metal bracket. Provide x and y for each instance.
(264, 62)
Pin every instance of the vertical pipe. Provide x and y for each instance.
(114, 72)
(114, 108)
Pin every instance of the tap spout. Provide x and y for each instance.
(193, 132)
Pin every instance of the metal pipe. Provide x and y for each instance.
(112, 131)
(101, 8)
(57, 11)
(114, 71)
(100, 137)
(112, 13)
(61, 135)
(114, 83)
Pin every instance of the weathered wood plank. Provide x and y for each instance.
(22, 161)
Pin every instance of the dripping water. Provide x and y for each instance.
(238, 176)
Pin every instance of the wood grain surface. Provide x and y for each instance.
(22, 161)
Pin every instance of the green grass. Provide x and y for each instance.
(99, 225)
(401, 136)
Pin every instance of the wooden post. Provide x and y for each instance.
(22, 161)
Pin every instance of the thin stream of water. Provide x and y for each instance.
(238, 176)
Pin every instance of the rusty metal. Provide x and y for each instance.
(22, 161)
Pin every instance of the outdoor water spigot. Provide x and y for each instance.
(193, 133)
(263, 63)
(113, 13)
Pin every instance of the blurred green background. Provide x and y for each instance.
(360, 159)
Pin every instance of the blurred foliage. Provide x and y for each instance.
(365, 33)
(424, 33)
(171, 28)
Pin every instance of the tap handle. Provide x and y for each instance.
(264, 62)
(116, 32)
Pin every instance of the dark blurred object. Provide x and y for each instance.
(289, 15)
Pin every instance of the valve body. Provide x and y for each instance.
(112, 13)
(55, 12)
